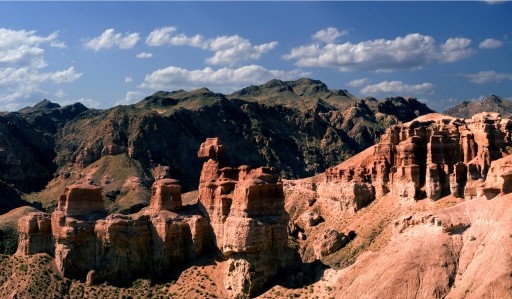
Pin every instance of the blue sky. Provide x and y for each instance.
(108, 53)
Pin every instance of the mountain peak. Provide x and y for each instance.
(493, 99)
(43, 105)
(493, 103)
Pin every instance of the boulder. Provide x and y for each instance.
(211, 148)
(35, 234)
(81, 200)
(166, 195)
(329, 242)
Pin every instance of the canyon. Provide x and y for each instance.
(292, 190)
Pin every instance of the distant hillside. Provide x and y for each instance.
(492, 103)
(299, 127)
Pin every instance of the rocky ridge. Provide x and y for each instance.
(493, 103)
(429, 157)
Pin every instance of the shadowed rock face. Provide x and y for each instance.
(492, 103)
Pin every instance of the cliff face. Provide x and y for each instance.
(245, 220)
(117, 248)
(430, 157)
(246, 210)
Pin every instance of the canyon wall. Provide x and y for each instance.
(430, 157)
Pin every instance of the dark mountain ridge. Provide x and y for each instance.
(299, 127)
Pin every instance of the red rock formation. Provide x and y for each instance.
(329, 242)
(211, 148)
(35, 234)
(432, 156)
(246, 210)
(166, 195)
(81, 200)
(244, 206)
(118, 247)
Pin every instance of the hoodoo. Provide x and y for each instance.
(245, 219)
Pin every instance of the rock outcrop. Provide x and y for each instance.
(430, 157)
(117, 248)
(329, 242)
(245, 219)
(246, 210)
(35, 234)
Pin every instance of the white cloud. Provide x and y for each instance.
(412, 51)
(488, 76)
(166, 36)
(109, 39)
(128, 79)
(144, 55)
(12, 106)
(57, 44)
(495, 1)
(397, 87)
(22, 66)
(455, 49)
(329, 35)
(358, 82)
(131, 97)
(490, 43)
(228, 50)
(60, 93)
(26, 75)
(227, 79)
(23, 48)
(232, 49)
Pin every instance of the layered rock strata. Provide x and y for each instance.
(430, 157)
(116, 248)
(240, 211)
(246, 210)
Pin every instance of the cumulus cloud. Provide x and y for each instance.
(131, 97)
(166, 36)
(128, 79)
(144, 55)
(488, 76)
(490, 43)
(226, 79)
(358, 82)
(109, 39)
(397, 87)
(412, 51)
(329, 35)
(22, 66)
(232, 49)
(228, 50)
